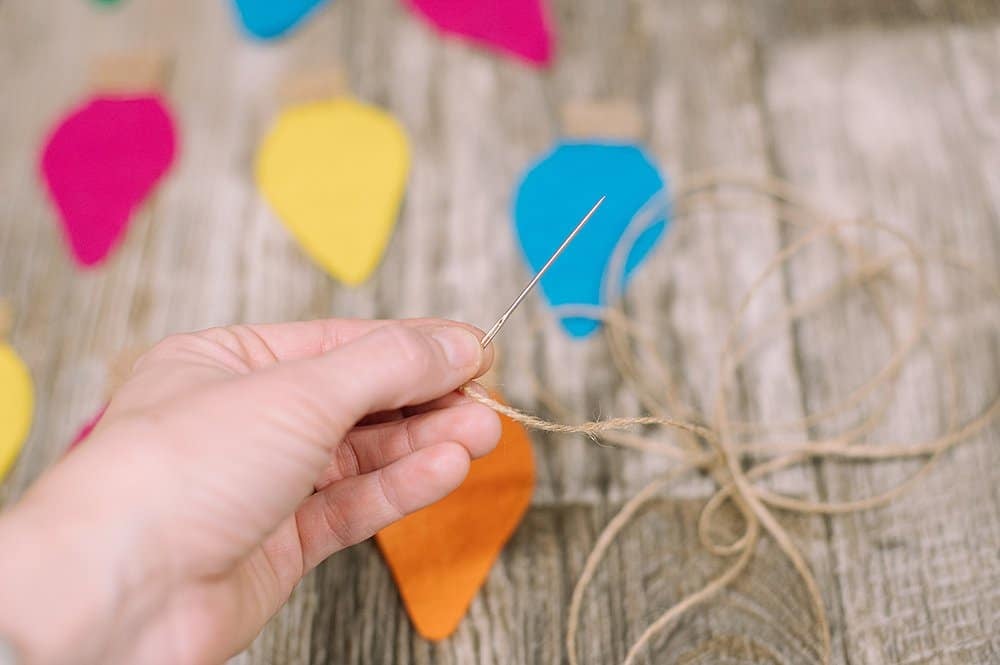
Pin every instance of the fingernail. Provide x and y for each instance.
(461, 347)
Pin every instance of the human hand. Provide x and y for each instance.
(231, 463)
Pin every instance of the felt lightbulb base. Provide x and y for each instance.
(609, 119)
(126, 72)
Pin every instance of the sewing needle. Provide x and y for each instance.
(534, 280)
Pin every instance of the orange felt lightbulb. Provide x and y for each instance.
(441, 555)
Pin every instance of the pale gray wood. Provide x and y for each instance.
(888, 107)
(919, 581)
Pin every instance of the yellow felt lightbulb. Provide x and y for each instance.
(334, 172)
(16, 406)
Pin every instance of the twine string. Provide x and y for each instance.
(713, 444)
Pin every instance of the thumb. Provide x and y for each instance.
(388, 368)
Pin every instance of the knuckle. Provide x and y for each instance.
(229, 336)
(390, 496)
(244, 341)
(348, 462)
(409, 436)
(178, 344)
(336, 521)
(217, 346)
(178, 341)
(491, 424)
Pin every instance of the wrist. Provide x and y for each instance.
(72, 574)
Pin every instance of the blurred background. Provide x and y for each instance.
(888, 108)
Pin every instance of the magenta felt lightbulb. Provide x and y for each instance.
(517, 27)
(101, 162)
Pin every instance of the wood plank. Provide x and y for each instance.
(890, 107)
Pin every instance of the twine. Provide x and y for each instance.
(713, 443)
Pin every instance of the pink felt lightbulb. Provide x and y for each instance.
(519, 27)
(101, 162)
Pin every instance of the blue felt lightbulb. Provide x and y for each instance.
(270, 19)
(557, 191)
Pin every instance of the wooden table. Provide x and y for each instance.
(889, 108)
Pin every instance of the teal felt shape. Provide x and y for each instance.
(270, 19)
(558, 190)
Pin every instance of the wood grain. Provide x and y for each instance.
(889, 108)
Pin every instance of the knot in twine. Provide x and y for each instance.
(715, 444)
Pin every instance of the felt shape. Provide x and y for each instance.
(440, 555)
(16, 406)
(100, 163)
(334, 172)
(557, 191)
(517, 27)
(87, 428)
(269, 19)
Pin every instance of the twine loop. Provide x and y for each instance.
(737, 454)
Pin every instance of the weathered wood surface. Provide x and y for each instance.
(890, 108)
